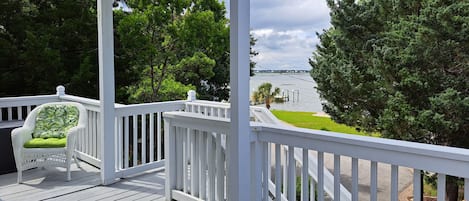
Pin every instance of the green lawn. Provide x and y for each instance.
(308, 120)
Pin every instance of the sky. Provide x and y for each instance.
(286, 31)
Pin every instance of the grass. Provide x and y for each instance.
(309, 120)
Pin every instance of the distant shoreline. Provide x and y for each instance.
(281, 71)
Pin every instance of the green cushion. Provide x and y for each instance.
(46, 143)
(53, 121)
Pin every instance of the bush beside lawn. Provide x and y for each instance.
(309, 120)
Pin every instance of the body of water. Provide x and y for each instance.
(300, 87)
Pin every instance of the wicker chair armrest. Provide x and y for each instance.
(21, 135)
(72, 135)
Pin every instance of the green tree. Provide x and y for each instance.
(47, 43)
(265, 94)
(186, 41)
(398, 67)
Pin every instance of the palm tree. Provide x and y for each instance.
(264, 93)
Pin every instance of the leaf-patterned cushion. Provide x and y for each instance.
(53, 121)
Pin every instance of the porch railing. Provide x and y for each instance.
(13, 110)
(139, 129)
(200, 176)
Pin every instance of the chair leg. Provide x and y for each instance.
(76, 161)
(68, 163)
(20, 175)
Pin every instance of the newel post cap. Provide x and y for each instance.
(60, 90)
(191, 95)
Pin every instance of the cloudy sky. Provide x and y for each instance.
(286, 31)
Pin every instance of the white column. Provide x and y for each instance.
(238, 177)
(106, 89)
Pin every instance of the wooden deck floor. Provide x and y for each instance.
(51, 184)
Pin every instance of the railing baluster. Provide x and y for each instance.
(86, 142)
(211, 167)
(120, 130)
(265, 170)
(226, 164)
(134, 141)
(194, 164)
(394, 182)
(185, 170)
(126, 141)
(170, 162)
(28, 110)
(1, 114)
(417, 185)
(320, 187)
(441, 188)
(256, 169)
(152, 138)
(94, 137)
(285, 171)
(158, 136)
(144, 138)
(305, 177)
(89, 135)
(354, 179)
(19, 111)
(312, 190)
(116, 143)
(202, 164)
(220, 170)
(336, 177)
(278, 181)
(291, 173)
(466, 189)
(374, 181)
(180, 162)
(10, 114)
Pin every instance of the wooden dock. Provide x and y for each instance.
(50, 184)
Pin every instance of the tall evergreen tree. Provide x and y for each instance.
(398, 67)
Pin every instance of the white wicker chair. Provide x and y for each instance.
(27, 158)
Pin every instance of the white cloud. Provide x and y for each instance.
(286, 31)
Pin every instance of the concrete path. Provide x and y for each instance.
(384, 177)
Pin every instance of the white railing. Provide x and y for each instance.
(13, 110)
(263, 115)
(139, 128)
(139, 131)
(188, 167)
(209, 108)
(195, 159)
(89, 143)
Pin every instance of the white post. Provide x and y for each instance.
(191, 95)
(238, 178)
(60, 90)
(106, 89)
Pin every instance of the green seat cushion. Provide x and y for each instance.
(54, 121)
(46, 143)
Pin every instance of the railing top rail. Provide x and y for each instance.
(449, 160)
(26, 100)
(143, 108)
(198, 121)
(209, 103)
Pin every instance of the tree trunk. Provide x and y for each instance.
(451, 189)
(267, 103)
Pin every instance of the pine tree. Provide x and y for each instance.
(398, 67)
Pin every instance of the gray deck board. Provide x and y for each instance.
(50, 184)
